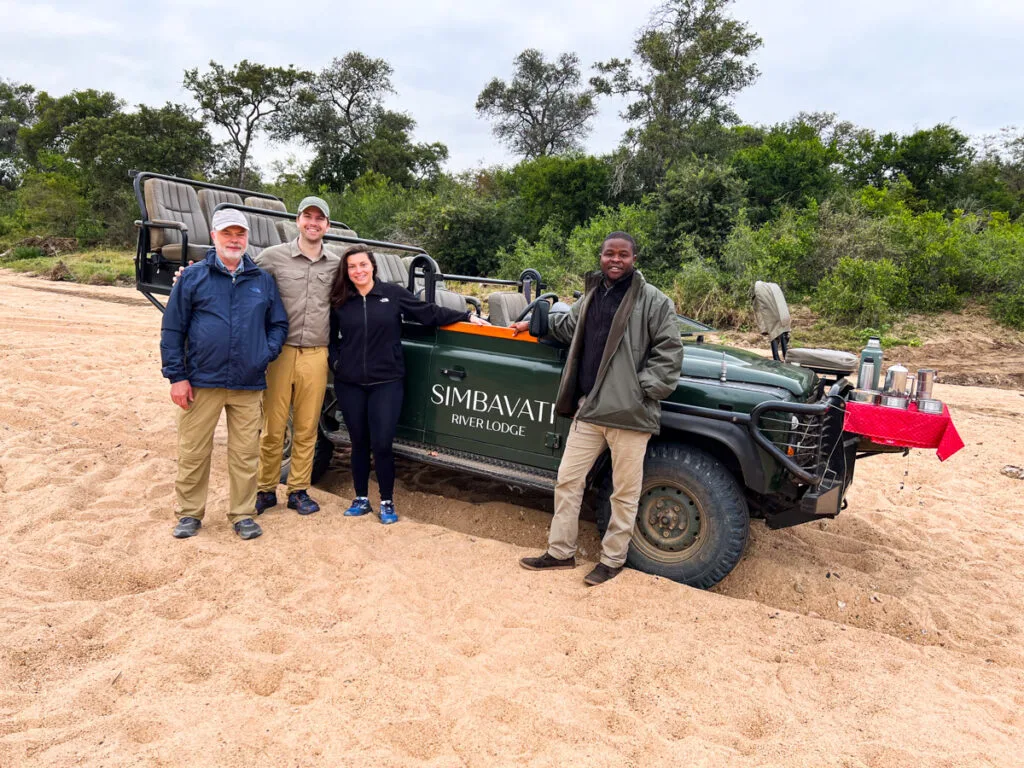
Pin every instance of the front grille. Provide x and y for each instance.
(799, 436)
(809, 440)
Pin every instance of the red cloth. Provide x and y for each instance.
(894, 426)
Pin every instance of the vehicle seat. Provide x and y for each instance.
(211, 198)
(262, 229)
(173, 201)
(390, 269)
(505, 307)
(287, 229)
(773, 319)
(446, 298)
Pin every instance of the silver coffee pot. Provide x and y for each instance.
(896, 380)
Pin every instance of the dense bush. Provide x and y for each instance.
(462, 228)
(862, 292)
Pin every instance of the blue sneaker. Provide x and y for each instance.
(301, 503)
(360, 506)
(264, 501)
(387, 513)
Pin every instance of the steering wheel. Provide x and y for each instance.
(532, 304)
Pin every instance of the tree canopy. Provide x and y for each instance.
(542, 110)
(242, 100)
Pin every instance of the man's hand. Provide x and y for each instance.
(520, 327)
(178, 273)
(477, 320)
(181, 394)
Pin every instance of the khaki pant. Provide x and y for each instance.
(296, 383)
(585, 444)
(195, 445)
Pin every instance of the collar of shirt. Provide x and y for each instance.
(237, 270)
(296, 251)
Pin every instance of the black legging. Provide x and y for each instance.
(371, 415)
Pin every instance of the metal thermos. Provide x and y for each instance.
(896, 380)
(866, 378)
(925, 381)
(871, 354)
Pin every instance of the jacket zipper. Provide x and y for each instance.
(366, 330)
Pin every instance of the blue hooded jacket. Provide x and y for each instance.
(221, 330)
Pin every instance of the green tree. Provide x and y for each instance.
(50, 129)
(935, 161)
(463, 227)
(17, 108)
(243, 100)
(388, 151)
(790, 166)
(695, 206)
(561, 191)
(542, 110)
(165, 139)
(340, 113)
(691, 60)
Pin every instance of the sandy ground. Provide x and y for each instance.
(891, 636)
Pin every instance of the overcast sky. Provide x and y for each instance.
(884, 64)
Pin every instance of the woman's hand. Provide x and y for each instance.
(521, 327)
(477, 320)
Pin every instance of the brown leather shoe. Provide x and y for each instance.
(601, 574)
(547, 563)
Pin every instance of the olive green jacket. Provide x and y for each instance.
(640, 367)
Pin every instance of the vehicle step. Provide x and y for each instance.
(508, 472)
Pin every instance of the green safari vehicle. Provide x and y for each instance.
(742, 435)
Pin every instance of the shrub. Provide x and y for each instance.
(23, 252)
(1008, 308)
(461, 228)
(700, 290)
(559, 269)
(864, 292)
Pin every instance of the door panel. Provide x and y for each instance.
(495, 397)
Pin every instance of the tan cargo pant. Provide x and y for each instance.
(195, 446)
(296, 382)
(585, 444)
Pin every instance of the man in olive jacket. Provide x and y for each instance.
(625, 356)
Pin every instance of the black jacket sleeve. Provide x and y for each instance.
(427, 314)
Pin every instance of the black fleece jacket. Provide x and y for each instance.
(366, 333)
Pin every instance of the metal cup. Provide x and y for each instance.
(925, 381)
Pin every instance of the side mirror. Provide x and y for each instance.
(539, 319)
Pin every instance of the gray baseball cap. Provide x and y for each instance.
(229, 217)
(315, 202)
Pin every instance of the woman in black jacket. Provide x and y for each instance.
(365, 354)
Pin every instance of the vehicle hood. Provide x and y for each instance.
(705, 361)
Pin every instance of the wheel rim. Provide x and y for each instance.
(670, 523)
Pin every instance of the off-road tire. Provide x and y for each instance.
(687, 478)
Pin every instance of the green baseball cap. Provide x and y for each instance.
(315, 202)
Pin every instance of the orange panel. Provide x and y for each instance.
(494, 331)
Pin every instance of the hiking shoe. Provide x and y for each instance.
(387, 513)
(248, 529)
(547, 563)
(601, 574)
(264, 501)
(360, 506)
(187, 527)
(301, 503)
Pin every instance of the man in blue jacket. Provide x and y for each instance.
(224, 323)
